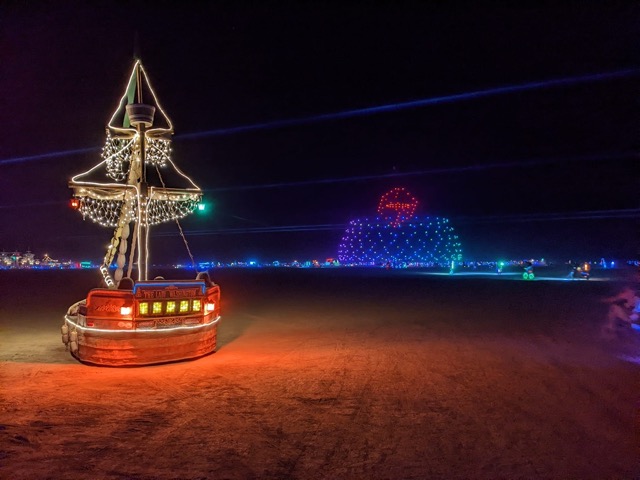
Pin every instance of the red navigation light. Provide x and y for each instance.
(74, 203)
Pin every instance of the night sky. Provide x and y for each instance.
(537, 172)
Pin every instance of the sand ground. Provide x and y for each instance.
(335, 374)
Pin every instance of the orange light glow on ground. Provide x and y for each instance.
(328, 374)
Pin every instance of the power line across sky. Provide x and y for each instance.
(360, 112)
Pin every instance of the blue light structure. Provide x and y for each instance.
(414, 241)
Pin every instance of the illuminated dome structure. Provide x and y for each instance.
(399, 238)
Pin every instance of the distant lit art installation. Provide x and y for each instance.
(396, 237)
(135, 186)
(397, 205)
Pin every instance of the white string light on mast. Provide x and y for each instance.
(115, 201)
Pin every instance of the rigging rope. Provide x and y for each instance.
(184, 238)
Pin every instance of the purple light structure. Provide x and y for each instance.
(398, 238)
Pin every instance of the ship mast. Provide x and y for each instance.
(141, 117)
(135, 148)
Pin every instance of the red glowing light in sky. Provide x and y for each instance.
(397, 205)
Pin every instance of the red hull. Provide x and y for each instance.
(138, 348)
(153, 322)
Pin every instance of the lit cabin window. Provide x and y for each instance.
(157, 307)
(184, 306)
(144, 308)
(196, 306)
(171, 307)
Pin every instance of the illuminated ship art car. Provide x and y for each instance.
(136, 186)
(151, 322)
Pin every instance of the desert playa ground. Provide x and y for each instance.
(333, 374)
